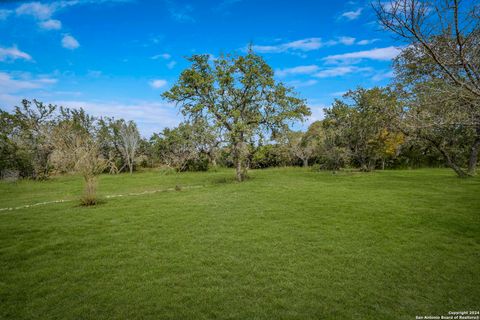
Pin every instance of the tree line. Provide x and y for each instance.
(237, 115)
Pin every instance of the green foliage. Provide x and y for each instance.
(24, 139)
(270, 155)
(187, 147)
(362, 133)
(237, 95)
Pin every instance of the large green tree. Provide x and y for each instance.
(238, 95)
(361, 127)
(25, 138)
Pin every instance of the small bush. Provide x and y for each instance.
(89, 197)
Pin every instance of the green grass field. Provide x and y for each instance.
(286, 244)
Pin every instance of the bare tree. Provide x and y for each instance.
(77, 150)
(301, 146)
(447, 30)
(443, 38)
(129, 142)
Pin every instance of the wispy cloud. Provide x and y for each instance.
(13, 53)
(51, 24)
(318, 72)
(158, 83)
(348, 41)
(338, 93)
(366, 41)
(43, 11)
(297, 70)
(302, 83)
(340, 71)
(180, 13)
(165, 56)
(12, 84)
(69, 42)
(352, 15)
(37, 10)
(171, 64)
(150, 116)
(308, 44)
(383, 75)
(382, 54)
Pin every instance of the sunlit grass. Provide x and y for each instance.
(286, 244)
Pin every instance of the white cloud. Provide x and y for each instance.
(297, 70)
(13, 53)
(50, 24)
(366, 41)
(382, 54)
(346, 40)
(352, 15)
(301, 84)
(171, 64)
(151, 116)
(383, 75)
(36, 9)
(44, 11)
(158, 83)
(308, 44)
(165, 56)
(339, 71)
(317, 113)
(12, 84)
(338, 93)
(70, 42)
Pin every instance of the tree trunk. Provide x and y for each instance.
(458, 170)
(460, 173)
(239, 170)
(130, 165)
(472, 161)
(305, 162)
(237, 157)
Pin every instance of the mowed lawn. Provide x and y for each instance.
(286, 244)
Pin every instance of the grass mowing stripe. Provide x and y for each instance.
(106, 197)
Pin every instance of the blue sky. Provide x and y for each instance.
(115, 57)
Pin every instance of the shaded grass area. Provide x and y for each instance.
(286, 244)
